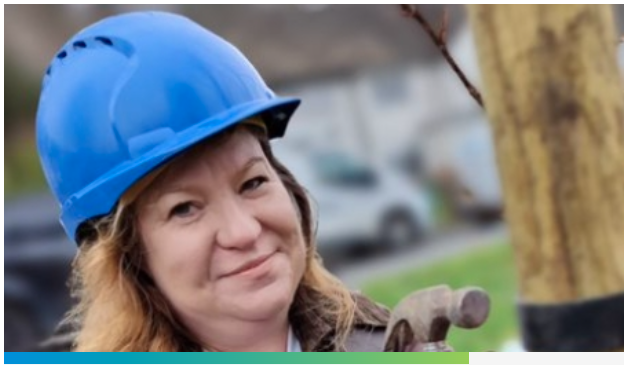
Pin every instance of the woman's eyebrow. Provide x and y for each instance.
(252, 161)
(178, 188)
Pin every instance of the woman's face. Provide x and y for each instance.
(222, 235)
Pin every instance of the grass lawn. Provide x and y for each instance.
(491, 268)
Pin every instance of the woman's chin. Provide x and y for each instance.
(268, 302)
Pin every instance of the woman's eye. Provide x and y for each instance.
(254, 183)
(181, 210)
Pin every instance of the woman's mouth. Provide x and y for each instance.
(250, 265)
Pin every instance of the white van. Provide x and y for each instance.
(358, 203)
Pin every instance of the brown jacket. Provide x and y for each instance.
(367, 335)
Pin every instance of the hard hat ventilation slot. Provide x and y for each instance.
(87, 44)
(79, 45)
(105, 41)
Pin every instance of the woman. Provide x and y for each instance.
(153, 134)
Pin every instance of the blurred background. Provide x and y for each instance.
(396, 155)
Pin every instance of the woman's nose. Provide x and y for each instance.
(238, 227)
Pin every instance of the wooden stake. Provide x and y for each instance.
(554, 94)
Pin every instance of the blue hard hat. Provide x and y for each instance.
(128, 93)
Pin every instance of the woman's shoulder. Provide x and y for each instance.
(369, 313)
(62, 339)
(370, 324)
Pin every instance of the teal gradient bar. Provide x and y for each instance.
(237, 358)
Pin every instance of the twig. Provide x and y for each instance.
(440, 41)
(621, 40)
(443, 29)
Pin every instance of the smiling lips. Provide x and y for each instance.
(250, 265)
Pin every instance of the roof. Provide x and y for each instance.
(285, 42)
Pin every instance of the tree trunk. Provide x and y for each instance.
(554, 95)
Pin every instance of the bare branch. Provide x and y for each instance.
(443, 30)
(439, 40)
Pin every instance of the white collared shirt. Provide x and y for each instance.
(292, 345)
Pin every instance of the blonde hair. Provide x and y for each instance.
(120, 309)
